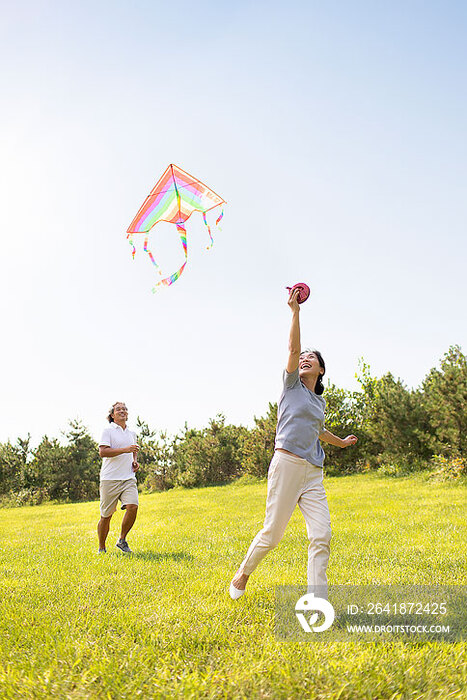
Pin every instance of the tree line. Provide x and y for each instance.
(400, 430)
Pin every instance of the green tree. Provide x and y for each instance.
(15, 465)
(392, 420)
(208, 456)
(84, 481)
(444, 399)
(50, 465)
(344, 416)
(155, 457)
(258, 446)
(68, 472)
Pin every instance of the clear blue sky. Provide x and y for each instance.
(336, 132)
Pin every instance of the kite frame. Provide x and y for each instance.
(167, 221)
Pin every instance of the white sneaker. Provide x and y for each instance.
(235, 593)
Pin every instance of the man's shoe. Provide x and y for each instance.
(123, 545)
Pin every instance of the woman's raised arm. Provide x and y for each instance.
(294, 336)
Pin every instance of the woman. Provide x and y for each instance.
(295, 474)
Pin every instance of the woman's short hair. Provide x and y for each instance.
(319, 387)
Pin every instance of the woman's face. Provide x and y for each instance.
(308, 364)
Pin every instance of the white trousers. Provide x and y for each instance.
(291, 481)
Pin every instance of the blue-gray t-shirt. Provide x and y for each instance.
(300, 420)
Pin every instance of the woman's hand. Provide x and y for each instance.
(349, 440)
(293, 300)
(331, 439)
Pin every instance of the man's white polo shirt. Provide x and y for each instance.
(119, 467)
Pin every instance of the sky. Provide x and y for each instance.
(336, 133)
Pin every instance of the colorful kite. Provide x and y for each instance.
(174, 198)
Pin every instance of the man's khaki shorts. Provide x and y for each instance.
(111, 490)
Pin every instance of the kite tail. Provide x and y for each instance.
(219, 217)
(167, 281)
(209, 230)
(130, 241)
(146, 250)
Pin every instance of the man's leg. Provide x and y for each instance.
(128, 520)
(108, 502)
(129, 499)
(102, 531)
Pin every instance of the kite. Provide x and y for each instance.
(173, 199)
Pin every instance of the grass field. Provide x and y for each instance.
(160, 623)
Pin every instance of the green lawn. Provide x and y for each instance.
(160, 623)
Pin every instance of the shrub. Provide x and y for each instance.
(448, 468)
(155, 458)
(258, 445)
(208, 456)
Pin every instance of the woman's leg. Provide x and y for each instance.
(285, 483)
(314, 506)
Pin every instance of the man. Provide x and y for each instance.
(119, 451)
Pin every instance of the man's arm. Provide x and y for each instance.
(294, 336)
(105, 451)
(332, 439)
